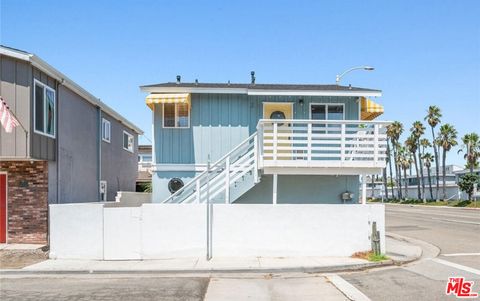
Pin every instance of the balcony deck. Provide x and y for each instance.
(322, 146)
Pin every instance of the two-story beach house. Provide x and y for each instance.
(70, 147)
(264, 143)
(244, 170)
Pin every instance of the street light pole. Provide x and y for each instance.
(339, 77)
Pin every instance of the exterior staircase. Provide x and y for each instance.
(225, 180)
(318, 147)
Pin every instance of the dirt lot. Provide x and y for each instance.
(17, 259)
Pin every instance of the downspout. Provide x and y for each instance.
(99, 145)
(57, 144)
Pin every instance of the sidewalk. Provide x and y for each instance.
(430, 206)
(16, 256)
(398, 250)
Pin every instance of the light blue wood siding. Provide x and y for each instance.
(219, 122)
(303, 189)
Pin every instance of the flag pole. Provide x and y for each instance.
(21, 125)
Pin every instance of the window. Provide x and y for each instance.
(326, 112)
(44, 109)
(105, 130)
(103, 191)
(128, 142)
(176, 115)
(145, 158)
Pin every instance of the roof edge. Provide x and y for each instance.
(69, 83)
(260, 91)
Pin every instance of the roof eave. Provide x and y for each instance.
(62, 78)
(266, 92)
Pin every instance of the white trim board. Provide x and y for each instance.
(45, 88)
(123, 141)
(179, 167)
(327, 171)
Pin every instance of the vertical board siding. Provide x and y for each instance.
(219, 122)
(15, 78)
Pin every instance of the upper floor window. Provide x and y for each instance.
(105, 130)
(44, 109)
(128, 141)
(327, 111)
(176, 115)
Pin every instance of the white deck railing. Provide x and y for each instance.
(322, 143)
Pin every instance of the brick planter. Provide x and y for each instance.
(27, 201)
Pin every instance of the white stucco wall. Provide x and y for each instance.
(155, 231)
(76, 231)
(122, 233)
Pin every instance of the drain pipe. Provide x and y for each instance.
(209, 214)
(99, 160)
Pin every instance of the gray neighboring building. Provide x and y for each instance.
(70, 147)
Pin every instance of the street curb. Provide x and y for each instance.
(313, 269)
(405, 239)
(426, 206)
(428, 250)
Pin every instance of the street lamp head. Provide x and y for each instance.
(366, 68)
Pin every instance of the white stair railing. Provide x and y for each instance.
(222, 175)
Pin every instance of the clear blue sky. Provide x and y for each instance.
(424, 52)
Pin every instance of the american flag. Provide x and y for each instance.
(7, 119)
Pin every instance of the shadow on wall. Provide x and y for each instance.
(302, 189)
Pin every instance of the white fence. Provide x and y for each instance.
(453, 192)
(156, 231)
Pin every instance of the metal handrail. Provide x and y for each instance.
(213, 166)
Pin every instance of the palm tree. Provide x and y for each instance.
(471, 146)
(417, 131)
(424, 143)
(385, 182)
(389, 160)
(405, 161)
(412, 146)
(447, 138)
(394, 131)
(427, 160)
(433, 118)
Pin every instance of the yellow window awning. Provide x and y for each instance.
(370, 109)
(167, 98)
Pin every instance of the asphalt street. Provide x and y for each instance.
(455, 233)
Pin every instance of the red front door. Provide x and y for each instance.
(3, 208)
